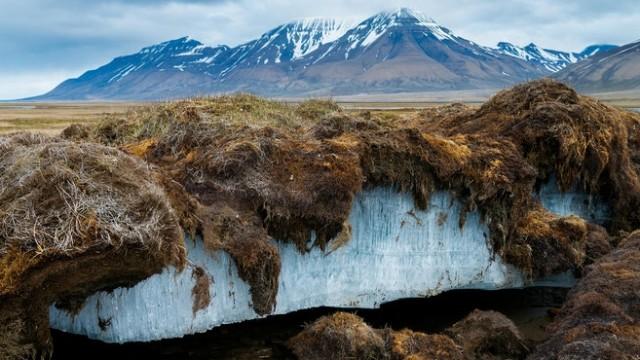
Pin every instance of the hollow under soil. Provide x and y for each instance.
(530, 309)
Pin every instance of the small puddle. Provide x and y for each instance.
(266, 338)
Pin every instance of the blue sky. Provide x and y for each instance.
(43, 42)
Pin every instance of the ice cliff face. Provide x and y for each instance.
(396, 251)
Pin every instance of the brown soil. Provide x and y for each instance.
(200, 292)
(601, 318)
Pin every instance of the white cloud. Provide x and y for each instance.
(17, 86)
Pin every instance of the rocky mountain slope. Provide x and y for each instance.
(552, 60)
(396, 51)
(615, 70)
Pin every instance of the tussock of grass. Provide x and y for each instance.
(74, 218)
(59, 199)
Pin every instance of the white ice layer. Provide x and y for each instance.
(396, 251)
(573, 203)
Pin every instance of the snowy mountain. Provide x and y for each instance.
(287, 42)
(358, 39)
(614, 70)
(404, 50)
(552, 60)
(394, 51)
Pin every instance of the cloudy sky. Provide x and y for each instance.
(43, 42)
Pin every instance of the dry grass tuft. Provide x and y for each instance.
(489, 335)
(63, 199)
(75, 218)
(347, 336)
(339, 336)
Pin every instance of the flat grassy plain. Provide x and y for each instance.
(52, 118)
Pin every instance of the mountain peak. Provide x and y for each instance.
(532, 46)
(406, 16)
(407, 13)
(374, 27)
(552, 60)
(597, 48)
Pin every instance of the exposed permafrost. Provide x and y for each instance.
(396, 251)
(574, 202)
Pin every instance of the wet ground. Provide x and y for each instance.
(266, 338)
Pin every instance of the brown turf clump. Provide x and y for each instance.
(411, 345)
(347, 336)
(601, 317)
(488, 335)
(74, 218)
(339, 336)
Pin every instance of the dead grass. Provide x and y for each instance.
(75, 218)
(347, 336)
(489, 335)
(601, 318)
(339, 336)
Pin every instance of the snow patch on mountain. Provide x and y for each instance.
(367, 32)
(307, 35)
(552, 60)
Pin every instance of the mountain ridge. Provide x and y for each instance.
(611, 71)
(392, 51)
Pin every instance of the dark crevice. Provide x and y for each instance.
(530, 309)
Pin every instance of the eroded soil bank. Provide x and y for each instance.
(244, 174)
(529, 309)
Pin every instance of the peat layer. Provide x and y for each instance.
(240, 171)
(74, 218)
